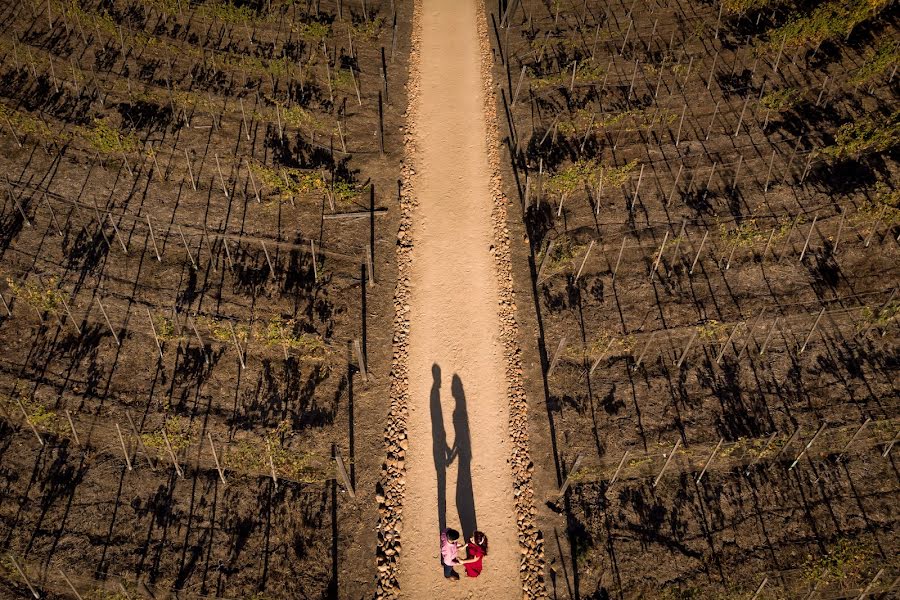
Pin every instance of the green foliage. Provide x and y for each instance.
(288, 182)
(368, 30)
(227, 12)
(165, 328)
(865, 135)
(879, 317)
(25, 123)
(42, 299)
(220, 331)
(827, 21)
(181, 432)
(562, 255)
(586, 71)
(281, 332)
(782, 100)
(588, 172)
(712, 330)
(312, 31)
(741, 6)
(878, 61)
(106, 139)
(844, 560)
(747, 234)
(296, 116)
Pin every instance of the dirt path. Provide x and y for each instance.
(457, 461)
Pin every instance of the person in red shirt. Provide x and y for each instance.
(476, 550)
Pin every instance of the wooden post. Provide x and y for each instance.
(668, 460)
(171, 453)
(772, 328)
(700, 249)
(737, 171)
(187, 248)
(118, 234)
(761, 452)
(370, 267)
(568, 481)
(69, 583)
(710, 459)
(108, 323)
(216, 458)
(272, 464)
(619, 259)
(518, 86)
(618, 470)
(768, 244)
(140, 442)
(53, 216)
(659, 255)
(28, 421)
(312, 251)
(837, 239)
(361, 360)
(680, 123)
(806, 243)
(342, 473)
(221, 177)
(737, 129)
(556, 355)
(728, 341)
(712, 71)
(712, 172)
(769, 173)
(808, 446)
(760, 588)
(253, 181)
(637, 188)
(586, 254)
(72, 427)
(875, 226)
(675, 185)
(812, 329)
(69, 312)
(602, 355)
(155, 336)
(12, 196)
(153, 239)
(380, 124)
(199, 339)
(5, 305)
(712, 119)
(855, 435)
(237, 345)
(868, 588)
(268, 259)
(124, 449)
(644, 351)
(190, 170)
(244, 119)
(544, 260)
(686, 348)
(24, 577)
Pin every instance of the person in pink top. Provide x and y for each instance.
(450, 545)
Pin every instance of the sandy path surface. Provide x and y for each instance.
(458, 473)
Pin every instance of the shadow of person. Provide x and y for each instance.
(462, 449)
(440, 448)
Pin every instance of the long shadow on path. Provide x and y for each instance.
(462, 449)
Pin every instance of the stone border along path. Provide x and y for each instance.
(423, 578)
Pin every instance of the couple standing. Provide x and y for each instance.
(465, 498)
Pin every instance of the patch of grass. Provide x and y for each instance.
(865, 135)
(845, 560)
(827, 21)
(878, 62)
